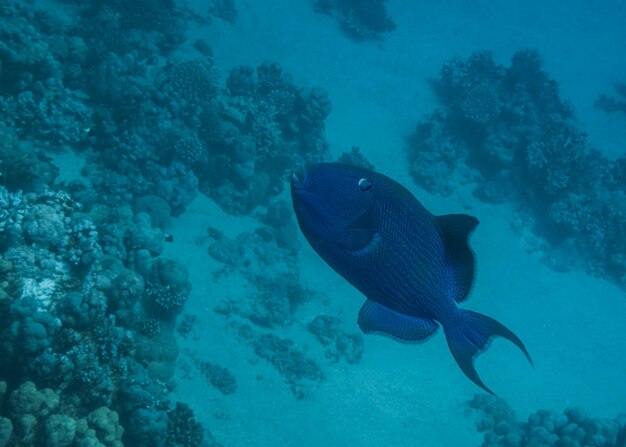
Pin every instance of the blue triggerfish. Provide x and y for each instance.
(413, 267)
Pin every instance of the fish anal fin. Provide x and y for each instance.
(455, 232)
(376, 318)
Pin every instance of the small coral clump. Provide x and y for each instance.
(150, 328)
(296, 369)
(611, 104)
(572, 428)
(194, 80)
(360, 19)
(183, 430)
(339, 344)
(218, 376)
(189, 150)
(169, 299)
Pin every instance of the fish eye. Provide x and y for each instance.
(364, 184)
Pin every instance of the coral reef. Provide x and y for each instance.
(572, 428)
(73, 319)
(33, 98)
(265, 127)
(507, 131)
(88, 304)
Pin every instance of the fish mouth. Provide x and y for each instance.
(299, 178)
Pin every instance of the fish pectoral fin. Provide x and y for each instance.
(359, 242)
(455, 232)
(376, 318)
(362, 236)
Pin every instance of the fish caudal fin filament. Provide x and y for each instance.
(470, 336)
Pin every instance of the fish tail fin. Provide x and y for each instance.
(470, 336)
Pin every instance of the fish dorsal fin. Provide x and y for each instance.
(455, 231)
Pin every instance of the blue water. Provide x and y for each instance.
(155, 289)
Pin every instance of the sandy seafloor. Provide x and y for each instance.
(410, 395)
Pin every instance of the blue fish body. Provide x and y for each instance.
(413, 267)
